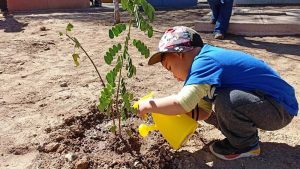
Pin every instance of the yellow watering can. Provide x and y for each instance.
(176, 129)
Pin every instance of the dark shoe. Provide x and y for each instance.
(224, 150)
(212, 21)
(219, 36)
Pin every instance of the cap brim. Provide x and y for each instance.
(155, 58)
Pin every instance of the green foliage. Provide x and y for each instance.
(142, 48)
(109, 56)
(116, 30)
(69, 27)
(106, 98)
(114, 97)
(75, 59)
(113, 128)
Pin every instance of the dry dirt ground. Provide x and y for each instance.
(47, 105)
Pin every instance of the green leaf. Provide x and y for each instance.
(108, 58)
(75, 59)
(61, 34)
(142, 48)
(147, 54)
(111, 77)
(150, 12)
(111, 34)
(130, 6)
(105, 97)
(134, 42)
(115, 31)
(111, 51)
(118, 66)
(124, 4)
(115, 49)
(119, 46)
(69, 27)
(143, 25)
(113, 128)
(129, 132)
(131, 71)
(150, 32)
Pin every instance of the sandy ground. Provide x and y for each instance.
(40, 87)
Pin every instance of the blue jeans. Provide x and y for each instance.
(221, 13)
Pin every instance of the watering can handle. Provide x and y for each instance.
(136, 104)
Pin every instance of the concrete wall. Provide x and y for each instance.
(27, 5)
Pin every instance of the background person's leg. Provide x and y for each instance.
(222, 21)
(3, 5)
(215, 8)
(240, 113)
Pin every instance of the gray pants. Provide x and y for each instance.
(239, 114)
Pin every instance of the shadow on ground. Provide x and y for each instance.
(271, 157)
(273, 47)
(10, 24)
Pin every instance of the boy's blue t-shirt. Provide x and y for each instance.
(234, 69)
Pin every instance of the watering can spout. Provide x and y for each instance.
(145, 129)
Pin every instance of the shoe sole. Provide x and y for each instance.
(252, 153)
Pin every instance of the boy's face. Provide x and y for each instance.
(174, 63)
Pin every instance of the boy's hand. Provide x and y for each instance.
(143, 108)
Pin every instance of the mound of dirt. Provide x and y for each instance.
(85, 142)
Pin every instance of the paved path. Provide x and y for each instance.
(259, 21)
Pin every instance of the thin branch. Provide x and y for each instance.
(103, 84)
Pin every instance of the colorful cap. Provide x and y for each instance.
(177, 39)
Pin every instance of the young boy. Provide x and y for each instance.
(245, 92)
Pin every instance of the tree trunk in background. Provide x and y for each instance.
(116, 11)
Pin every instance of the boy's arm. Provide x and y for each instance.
(183, 102)
(167, 105)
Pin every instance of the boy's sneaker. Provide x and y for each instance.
(219, 36)
(224, 150)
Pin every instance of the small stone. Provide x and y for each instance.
(34, 135)
(43, 28)
(83, 163)
(43, 105)
(48, 130)
(59, 138)
(1, 72)
(23, 76)
(71, 156)
(2, 154)
(64, 84)
(61, 148)
(141, 64)
(210, 163)
(47, 48)
(136, 163)
(51, 147)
